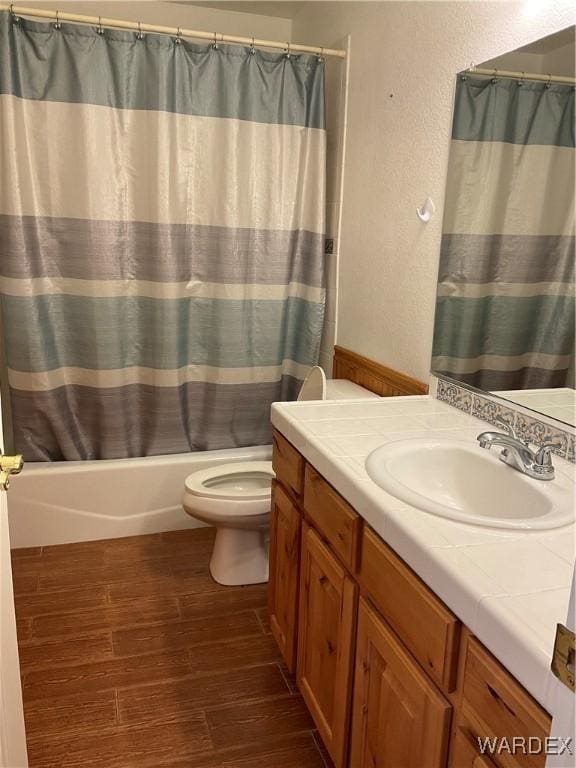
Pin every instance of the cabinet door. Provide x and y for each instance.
(284, 573)
(400, 719)
(327, 624)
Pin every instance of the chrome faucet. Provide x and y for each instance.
(518, 454)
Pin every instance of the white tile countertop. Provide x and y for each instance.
(510, 588)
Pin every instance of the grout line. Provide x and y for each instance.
(260, 622)
(249, 701)
(292, 689)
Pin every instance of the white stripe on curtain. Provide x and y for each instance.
(154, 377)
(40, 286)
(76, 161)
(480, 201)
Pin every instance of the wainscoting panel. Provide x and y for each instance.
(384, 381)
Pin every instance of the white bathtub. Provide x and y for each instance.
(63, 502)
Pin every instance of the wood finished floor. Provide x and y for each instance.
(132, 657)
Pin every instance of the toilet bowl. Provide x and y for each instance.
(236, 499)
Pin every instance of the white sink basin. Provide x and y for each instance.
(463, 482)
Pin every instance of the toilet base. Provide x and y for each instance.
(240, 556)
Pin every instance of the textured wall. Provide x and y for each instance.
(404, 59)
(176, 14)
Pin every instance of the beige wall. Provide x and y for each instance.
(404, 59)
(176, 14)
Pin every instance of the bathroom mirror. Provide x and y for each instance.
(505, 303)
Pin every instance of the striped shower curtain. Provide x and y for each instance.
(161, 239)
(505, 306)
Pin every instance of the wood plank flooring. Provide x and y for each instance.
(132, 657)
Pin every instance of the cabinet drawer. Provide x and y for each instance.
(496, 705)
(424, 624)
(288, 464)
(333, 517)
(466, 751)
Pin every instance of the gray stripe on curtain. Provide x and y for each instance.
(33, 246)
(504, 111)
(507, 258)
(76, 423)
(83, 64)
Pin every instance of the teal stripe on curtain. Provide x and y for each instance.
(85, 67)
(511, 323)
(161, 239)
(83, 332)
(531, 113)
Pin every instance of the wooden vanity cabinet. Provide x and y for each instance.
(389, 674)
(326, 635)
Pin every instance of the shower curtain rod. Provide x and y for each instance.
(215, 37)
(521, 75)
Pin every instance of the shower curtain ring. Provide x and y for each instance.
(520, 82)
(288, 54)
(252, 49)
(100, 28)
(215, 43)
(15, 18)
(494, 76)
(178, 40)
(139, 34)
(320, 57)
(57, 24)
(549, 81)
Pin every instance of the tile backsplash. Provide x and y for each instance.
(528, 427)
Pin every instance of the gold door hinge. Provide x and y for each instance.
(9, 465)
(564, 658)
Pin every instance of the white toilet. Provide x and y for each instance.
(236, 498)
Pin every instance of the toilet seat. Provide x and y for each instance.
(241, 482)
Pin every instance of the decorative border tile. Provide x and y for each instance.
(492, 410)
(454, 395)
(532, 430)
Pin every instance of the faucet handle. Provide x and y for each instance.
(508, 427)
(543, 456)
